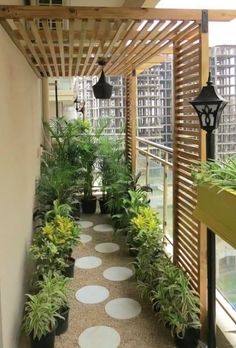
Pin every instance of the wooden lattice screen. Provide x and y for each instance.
(130, 132)
(190, 71)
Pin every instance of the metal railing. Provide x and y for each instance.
(162, 155)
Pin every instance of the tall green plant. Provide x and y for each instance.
(179, 305)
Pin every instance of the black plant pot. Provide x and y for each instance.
(89, 205)
(190, 339)
(46, 341)
(62, 324)
(76, 210)
(69, 270)
(103, 205)
(133, 252)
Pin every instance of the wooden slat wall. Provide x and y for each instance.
(190, 58)
(130, 132)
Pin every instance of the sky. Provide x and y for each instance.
(220, 33)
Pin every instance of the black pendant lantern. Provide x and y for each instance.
(102, 89)
(209, 106)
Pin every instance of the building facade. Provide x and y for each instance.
(223, 69)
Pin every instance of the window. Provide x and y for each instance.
(51, 22)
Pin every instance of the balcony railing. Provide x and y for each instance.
(155, 163)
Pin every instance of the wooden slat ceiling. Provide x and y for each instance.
(69, 41)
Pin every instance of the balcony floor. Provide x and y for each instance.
(140, 331)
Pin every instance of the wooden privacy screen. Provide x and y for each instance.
(190, 55)
(130, 132)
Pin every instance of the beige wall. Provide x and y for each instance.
(20, 136)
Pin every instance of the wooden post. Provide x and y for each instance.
(131, 123)
(45, 109)
(202, 247)
(165, 192)
(191, 67)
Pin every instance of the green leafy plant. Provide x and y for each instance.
(110, 157)
(145, 230)
(88, 155)
(58, 210)
(41, 315)
(55, 286)
(47, 256)
(178, 305)
(57, 183)
(220, 173)
(65, 145)
(131, 202)
(147, 272)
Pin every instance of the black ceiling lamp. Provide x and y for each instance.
(102, 89)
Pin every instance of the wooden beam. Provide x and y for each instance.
(133, 3)
(24, 35)
(71, 44)
(61, 45)
(158, 59)
(9, 31)
(47, 32)
(41, 47)
(71, 12)
(90, 49)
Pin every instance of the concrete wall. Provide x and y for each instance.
(20, 137)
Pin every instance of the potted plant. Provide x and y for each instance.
(147, 271)
(88, 154)
(130, 204)
(55, 286)
(144, 229)
(110, 157)
(56, 183)
(216, 197)
(40, 319)
(178, 305)
(53, 243)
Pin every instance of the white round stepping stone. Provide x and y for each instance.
(107, 248)
(117, 274)
(123, 308)
(88, 262)
(85, 224)
(92, 294)
(85, 238)
(103, 228)
(99, 337)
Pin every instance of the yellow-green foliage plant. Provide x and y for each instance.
(52, 244)
(145, 229)
(62, 232)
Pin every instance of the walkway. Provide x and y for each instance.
(106, 296)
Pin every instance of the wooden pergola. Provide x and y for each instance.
(67, 41)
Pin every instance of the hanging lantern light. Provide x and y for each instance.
(102, 89)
